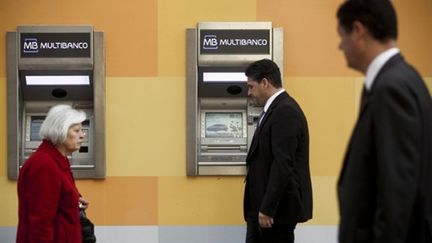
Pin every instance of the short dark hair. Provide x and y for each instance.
(378, 16)
(265, 68)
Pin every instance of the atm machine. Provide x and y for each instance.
(221, 120)
(50, 65)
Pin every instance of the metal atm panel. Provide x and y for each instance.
(220, 119)
(38, 54)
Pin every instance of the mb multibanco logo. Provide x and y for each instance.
(210, 42)
(30, 45)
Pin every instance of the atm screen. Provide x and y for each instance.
(35, 125)
(223, 124)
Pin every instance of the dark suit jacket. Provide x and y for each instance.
(278, 181)
(385, 185)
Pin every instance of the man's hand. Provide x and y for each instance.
(264, 220)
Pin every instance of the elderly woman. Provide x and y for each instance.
(49, 201)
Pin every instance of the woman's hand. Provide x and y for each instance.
(83, 203)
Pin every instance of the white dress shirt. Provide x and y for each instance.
(271, 99)
(376, 65)
(268, 103)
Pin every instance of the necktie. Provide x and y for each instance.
(261, 117)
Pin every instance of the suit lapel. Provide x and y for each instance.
(254, 143)
(366, 95)
(274, 104)
(252, 147)
(365, 99)
(258, 129)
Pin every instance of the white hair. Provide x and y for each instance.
(58, 121)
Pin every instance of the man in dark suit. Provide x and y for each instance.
(385, 186)
(278, 191)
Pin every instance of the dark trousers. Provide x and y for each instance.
(282, 233)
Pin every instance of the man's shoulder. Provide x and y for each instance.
(398, 69)
(398, 75)
(290, 103)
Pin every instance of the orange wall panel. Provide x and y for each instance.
(310, 37)
(311, 41)
(130, 30)
(415, 33)
(122, 200)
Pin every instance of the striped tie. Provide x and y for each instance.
(261, 117)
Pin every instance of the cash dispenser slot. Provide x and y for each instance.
(239, 148)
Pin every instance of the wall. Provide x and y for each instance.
(146, 196)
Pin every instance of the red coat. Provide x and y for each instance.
(48, 199)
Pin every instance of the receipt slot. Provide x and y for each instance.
(220, 119)
(50, 65)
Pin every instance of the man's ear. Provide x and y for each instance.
(359, 30)
(265, 82)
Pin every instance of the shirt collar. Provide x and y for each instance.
(376, 65)
(271, 99)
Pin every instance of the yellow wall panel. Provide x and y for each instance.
(130, 29)
(146, 126)
(174, 17)
(9, 202)
(131, 117)
(325, 205)
(329, 106)
(429, 84)
(201, 200)
(3, 124)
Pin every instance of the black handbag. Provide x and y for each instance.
(87, 228)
